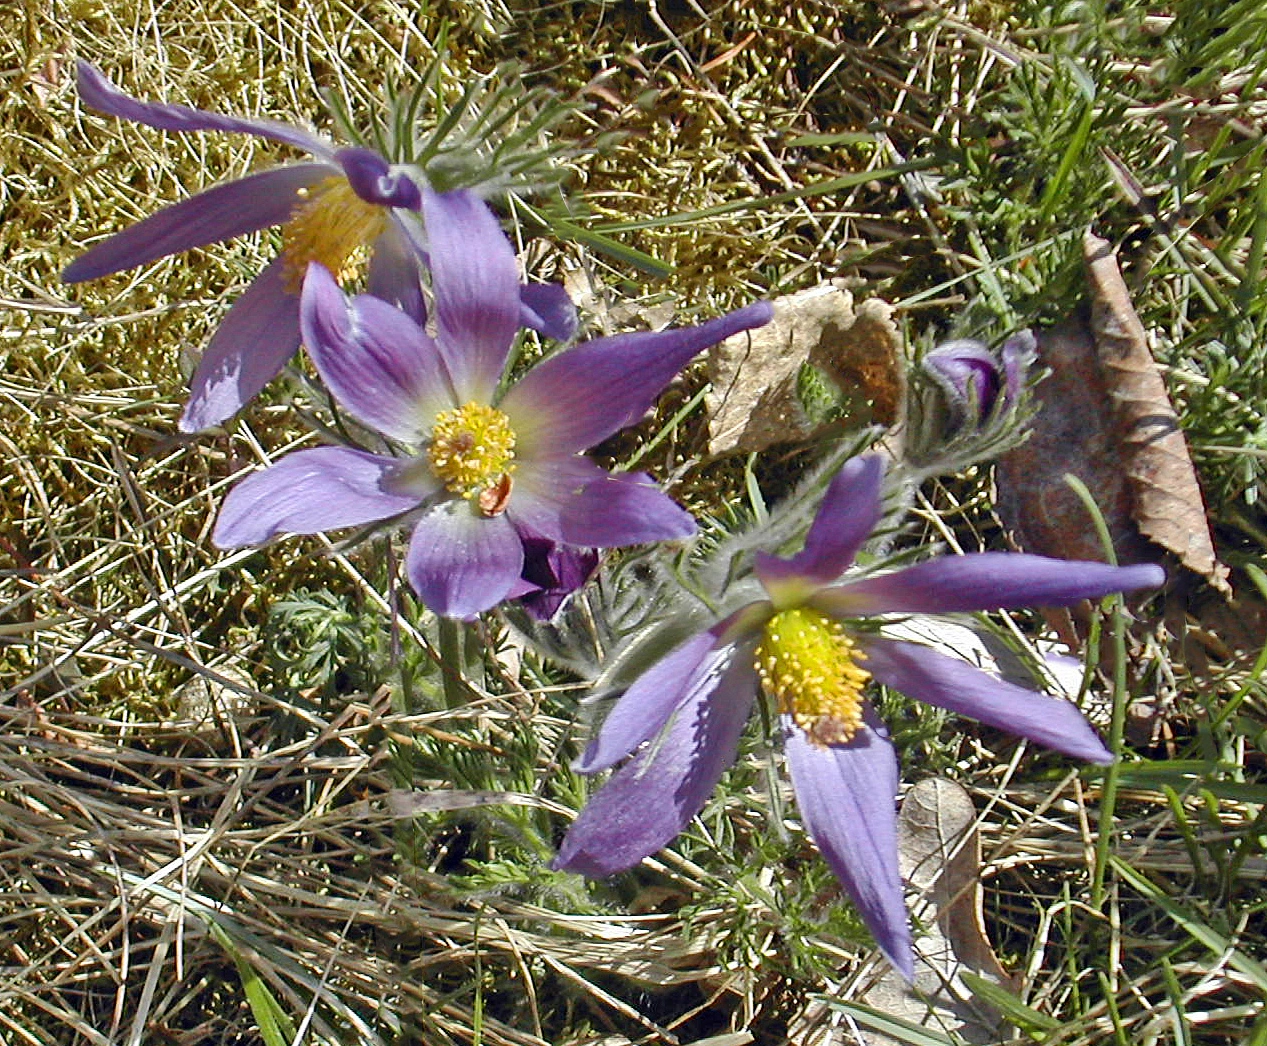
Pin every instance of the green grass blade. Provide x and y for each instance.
(1033, 1022)
(1194, 927)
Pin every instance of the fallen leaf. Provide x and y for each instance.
(758, 396)
(1168, 506)
(1103, 415)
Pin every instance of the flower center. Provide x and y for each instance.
(472, 451)
(332, 225)
(809, 665)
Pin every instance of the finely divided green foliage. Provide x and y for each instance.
(237, 868)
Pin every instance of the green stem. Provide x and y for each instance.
(451, 661)
(1117, 725)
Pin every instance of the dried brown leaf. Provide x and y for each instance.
(1104, 416)
(1168, 507)
(754, 403)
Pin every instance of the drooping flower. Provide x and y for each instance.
(345, 206)
(682, 719)
(487, 469)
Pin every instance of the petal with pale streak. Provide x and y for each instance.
(309, 492)
(475, 280)
(460, 563)
(581, 396)
(937, 679)
(378, 363)
(653, 797)
(984, 581)
(374, 181)
(258, 334)
(847, 796)
(220, 213)
(574, 501)
(643, 709)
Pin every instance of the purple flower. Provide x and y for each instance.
(682, 719)
(489, 468)
(976, 381)
(345, 204)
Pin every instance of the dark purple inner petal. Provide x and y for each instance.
(374, 181)
(547, 309)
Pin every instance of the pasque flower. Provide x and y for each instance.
(977, 382)
(487, 470)
(802, 645)
(343, 206)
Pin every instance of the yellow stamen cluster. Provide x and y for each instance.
(472, 451)
(332, 225)
(809, 665)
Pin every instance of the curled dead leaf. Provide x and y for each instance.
(1105, 417)
(756, 399)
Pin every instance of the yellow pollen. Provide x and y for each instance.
(472, 451)
(332, 225)
(809, 665)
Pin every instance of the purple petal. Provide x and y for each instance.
(847, 797)
(654, 796)
(233, 209)
(848, 514)
(378, 363)
(574, 501)
(475, 281)
(258, 334)
(947, 682)
(580, 397)
(394, 273)
(983, 581)
(547, 309)
(460, 563)
(693, 667)
(99, 93)
(309, 492)
(968, 373)
(374, 181)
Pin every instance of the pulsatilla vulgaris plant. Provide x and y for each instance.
(481, 472)
(811, 646)
(347, 207)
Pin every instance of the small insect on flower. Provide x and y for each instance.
(678, 725)
(348, 209)
(488, 473)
